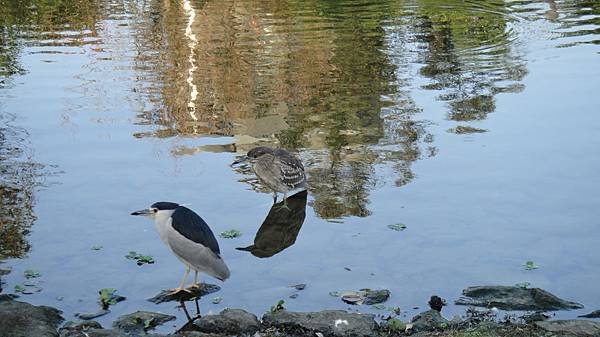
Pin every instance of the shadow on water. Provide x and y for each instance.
(280, 228)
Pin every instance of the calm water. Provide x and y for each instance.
(107, 106)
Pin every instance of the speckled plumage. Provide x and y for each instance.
(278, 169)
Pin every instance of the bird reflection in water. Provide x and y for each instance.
(280, 228)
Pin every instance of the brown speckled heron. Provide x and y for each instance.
(277, 169)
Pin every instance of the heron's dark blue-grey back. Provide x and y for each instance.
(193, 227)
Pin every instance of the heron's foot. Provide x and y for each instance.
(179, 291)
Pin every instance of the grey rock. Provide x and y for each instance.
(366, 296)
(188, 294)
(140, 321)
(230, 321)
(19, 319)
(328, 322)
(92, 333)
(593, 314)
(81, 325)
(572, 327)
(535, 317)
(429, 320)
(514, 298)
(92, 315)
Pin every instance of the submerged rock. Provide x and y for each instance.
(429, 320)
(327, 322)
(20, 319)
(185, 295)
(514, 298)
(92, 315)
(593, 314)
(141, 321)
(231, 322)
(572, 327)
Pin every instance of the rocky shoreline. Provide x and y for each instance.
(21, 319)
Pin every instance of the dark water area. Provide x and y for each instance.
(475, 123)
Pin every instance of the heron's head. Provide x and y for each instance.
(253, 155)
(158, 208)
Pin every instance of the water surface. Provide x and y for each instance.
(473, 123)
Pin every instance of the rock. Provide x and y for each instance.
(140, 321)
(92, 333)
(436, 303)
(92, 315)
(572, 327)
(327, 322)
(593, 314)
(190, 293)
(5, 271)
(535, 317)
(514, 298)
(230, 321)
(365, 296)
(429, 320)
(19, 319)
(81, 325)
(300, 286)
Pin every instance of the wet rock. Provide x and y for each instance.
(188, 294)
(365, 296)
(93, 333)
(92, 315)
(81, 325)
(573, 327)
(230, 321)
(19, 319)
(141, 321)
(593, 314)
(514, 298)
(429, 320)
(436, 303)
(535, 317)
(327, 322)
(301, 286)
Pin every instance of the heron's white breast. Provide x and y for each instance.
(162, 222)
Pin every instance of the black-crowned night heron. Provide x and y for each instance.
(278, 169)
(190, 239)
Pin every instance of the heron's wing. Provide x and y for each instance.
(191, 225)
(291, 168)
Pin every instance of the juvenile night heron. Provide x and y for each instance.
(278, 169)
(190, 239)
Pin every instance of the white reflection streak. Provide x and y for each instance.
(191, 13)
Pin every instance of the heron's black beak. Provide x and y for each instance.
(240, 160)
(142, 212)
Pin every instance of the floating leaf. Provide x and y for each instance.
(109, 297)
(139, 258)
(30, 273)
(19, 288)
(230, 234)
(277, 307)
(523, 285)
(529, 265)
(217, 300)
(397, 227)
(378, 306)
(96, 247)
